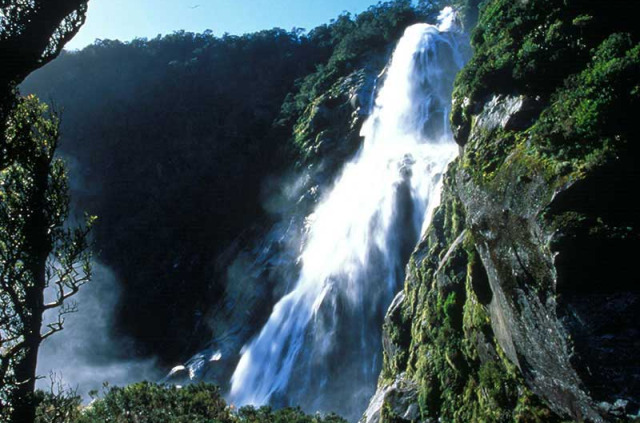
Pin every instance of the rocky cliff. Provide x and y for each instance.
(521, 300)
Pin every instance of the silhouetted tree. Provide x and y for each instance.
(37, 253)
(32, 33)
(33, 199)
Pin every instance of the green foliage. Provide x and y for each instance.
(369, 31)
(37, 250)
(58, 405)
(152, 403)
(182, 139)
(285, 415)
(580, 61)
(32, 34)
(531, 48)
(588, 120)
(595, 109)
(583, 77)
(147, 402)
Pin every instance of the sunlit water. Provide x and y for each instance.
(321, 347)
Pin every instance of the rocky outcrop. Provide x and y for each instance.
(397, 399)
(328, 133)
(521, 299)
(500, 329)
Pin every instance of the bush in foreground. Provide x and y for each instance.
(153, 403)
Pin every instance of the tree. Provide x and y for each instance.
(33, 198)
(37, 252)
(32, 33)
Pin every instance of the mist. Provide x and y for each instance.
(86, 353)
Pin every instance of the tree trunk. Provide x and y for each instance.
(38, 246)
(24, 405)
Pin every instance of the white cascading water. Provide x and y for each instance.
(321, 347)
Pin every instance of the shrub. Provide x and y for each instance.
(157, 403)
(150, 403)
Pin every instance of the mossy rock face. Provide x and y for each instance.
(331, 123)
(521, 300)
(451, 357)
(326, 135)
(329, 126)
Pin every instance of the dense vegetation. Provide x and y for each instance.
(531, 48)
(152, 403)
(31, 35)
(173, 137)
(37, 251)
(170, 140)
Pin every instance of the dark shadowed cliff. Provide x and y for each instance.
(176, 144)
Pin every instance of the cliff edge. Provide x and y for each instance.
(521, 300)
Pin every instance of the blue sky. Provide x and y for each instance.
(128, 19)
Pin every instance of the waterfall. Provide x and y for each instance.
(321, 347)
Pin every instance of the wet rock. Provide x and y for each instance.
(551, 311)
(397, 401)
(508, 112)
(555, 277)
(389, 346)
(621, 408)
(329, 132)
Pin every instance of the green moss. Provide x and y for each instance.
(586, 88)
(353, 43)
(589, 119)
(531, 48)
(449, 325)
(389, 416)
(328, 118)
(487, 152)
